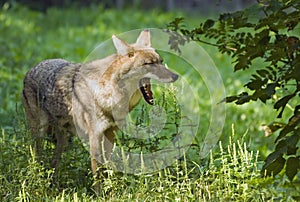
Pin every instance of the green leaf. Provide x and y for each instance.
(292, 150)
(197, 31)
(270, 89)
(256, 84)
(292, 125)
(282, 103)
(273, 164)
(292, 142)
(295, 74)
(263, 42)
(286, 130)
(229, 99)
(292, 167)
(185, 31)
(288, 144)
(272, 128)
(262, 72)
(281, 147)
(243, 98)
(208, 24)
(176, 24)
(275, 6)
(261, 95)
(243, 63)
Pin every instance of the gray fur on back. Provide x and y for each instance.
(45, 80)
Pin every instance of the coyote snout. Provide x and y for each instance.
(83, 98)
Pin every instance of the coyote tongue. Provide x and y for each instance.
(145, 88)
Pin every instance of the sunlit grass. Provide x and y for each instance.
(232, 174)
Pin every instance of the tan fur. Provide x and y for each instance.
(89, 98)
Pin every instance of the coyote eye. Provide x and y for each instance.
(130, 54)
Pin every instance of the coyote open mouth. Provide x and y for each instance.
(145, 87)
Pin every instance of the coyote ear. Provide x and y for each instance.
(121, 46)
(144, 39)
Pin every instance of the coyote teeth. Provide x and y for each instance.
(145, 87)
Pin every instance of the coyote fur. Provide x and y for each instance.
(93, 98)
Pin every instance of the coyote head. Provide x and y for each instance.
(138, 63)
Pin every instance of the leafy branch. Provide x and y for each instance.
(271, 39)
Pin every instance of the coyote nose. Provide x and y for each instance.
(174, 77)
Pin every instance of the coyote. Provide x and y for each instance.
(91, 99)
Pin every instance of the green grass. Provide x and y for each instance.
(230, 173)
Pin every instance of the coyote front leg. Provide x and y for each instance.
(101, 146)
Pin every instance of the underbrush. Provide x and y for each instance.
(230, 173)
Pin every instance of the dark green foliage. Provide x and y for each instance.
(272, 38)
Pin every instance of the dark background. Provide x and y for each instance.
(167, 5)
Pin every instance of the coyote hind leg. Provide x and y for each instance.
(61, 143)
(39, 130)
(37, 120)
